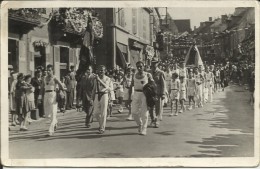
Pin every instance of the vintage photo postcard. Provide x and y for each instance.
(130, 83)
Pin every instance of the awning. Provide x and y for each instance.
(121, 55)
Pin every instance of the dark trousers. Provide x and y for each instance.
(88, 108)
(39, 105)
(70, 99)
(158, 110)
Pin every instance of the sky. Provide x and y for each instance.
(197, 15)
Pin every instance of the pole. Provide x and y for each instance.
(114, 39)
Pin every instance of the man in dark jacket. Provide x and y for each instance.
(159, 79)
(86, 90)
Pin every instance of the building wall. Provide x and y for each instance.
(27, 53)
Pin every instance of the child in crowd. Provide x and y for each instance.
(183, 88)
(120, 91)
(191, 89)
(174, 88)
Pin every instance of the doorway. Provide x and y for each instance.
(64, 61)
(13, 53)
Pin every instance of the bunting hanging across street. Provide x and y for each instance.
(193, 58)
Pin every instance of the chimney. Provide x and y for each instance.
(194, 27)
(210, 19)
(223, 18)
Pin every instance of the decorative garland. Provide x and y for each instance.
(38, 44)
(77, 19)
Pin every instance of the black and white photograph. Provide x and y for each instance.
(124, 84)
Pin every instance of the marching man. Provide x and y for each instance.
(198, 79)
(209, 78)
(103, 86)
(139, 104)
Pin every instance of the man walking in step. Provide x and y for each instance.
(85, 93)
(72, 75)
(139, 104)
(102, 86)
(159, 79)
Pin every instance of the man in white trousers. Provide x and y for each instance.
(198, 80)
(49, 84)
(209, 78)
(139, 104)
(102, 86)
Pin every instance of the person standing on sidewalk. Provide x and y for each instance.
(102, 86)
(159, 79)
(13, 108)
(139, 104)
(86, 89)
(49, 85)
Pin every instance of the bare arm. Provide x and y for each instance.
(59, 83)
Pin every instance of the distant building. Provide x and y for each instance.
(183, 25)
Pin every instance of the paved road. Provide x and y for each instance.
(223, 128)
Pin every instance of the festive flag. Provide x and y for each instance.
(193, 57)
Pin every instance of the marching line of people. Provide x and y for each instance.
(145, 92)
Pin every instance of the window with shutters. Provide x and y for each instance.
(134, 20)
(121, 17)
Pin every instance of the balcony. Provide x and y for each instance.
(30, 16)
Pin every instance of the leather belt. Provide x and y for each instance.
(174, 89)
(138, 90)
(101, 92)
(47, 91)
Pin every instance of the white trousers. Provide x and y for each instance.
(139, 110)
(208, 93)
(50, 109)
(199, 94)
(100, 110)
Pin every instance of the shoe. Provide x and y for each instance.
(55, 127)
(108, 117)
(13, 124)
(143, 133)
(119, 111)
(51, 134)
(156, 125)
(176, 114)
(88, 125)
(139, 129)
(161, 118)
(101, 132)
(190, 108)
(180, 111)
(130, 118)
(23, 129)
(152, 123)
(171, 114)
